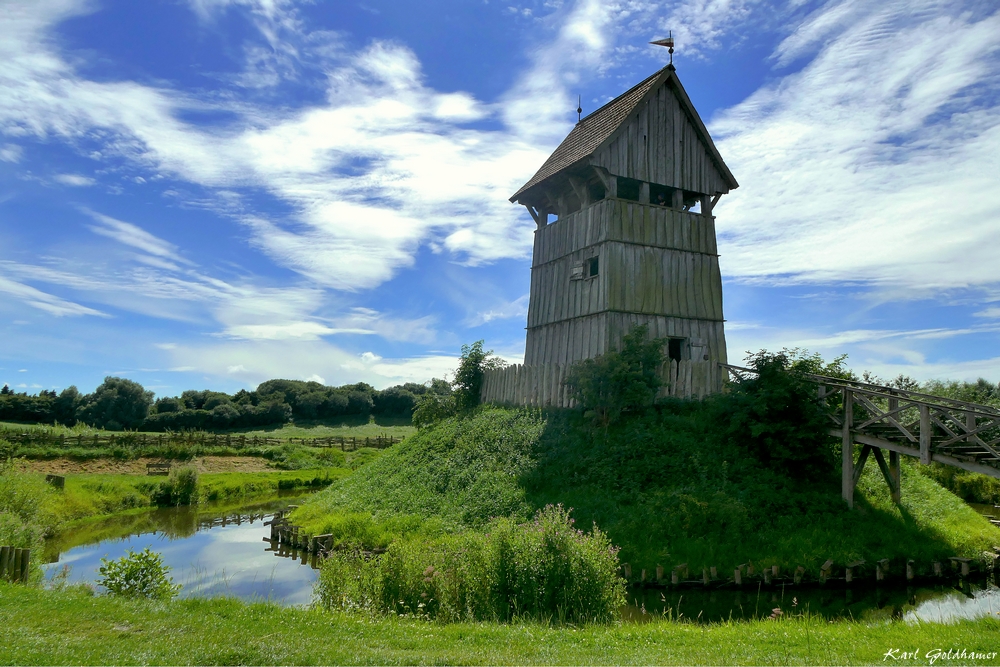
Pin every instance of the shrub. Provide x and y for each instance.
(138, 575)
(543, 570)
(432, 408)
(779, 419)
(25, 511)
(472, 368)
(183, 485)
(619, 382)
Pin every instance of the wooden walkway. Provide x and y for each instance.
(885, 419)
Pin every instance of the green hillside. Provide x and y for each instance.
(665, 485)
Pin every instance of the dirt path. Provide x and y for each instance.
(138, 466)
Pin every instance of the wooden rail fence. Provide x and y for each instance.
(14, 564)
(102, 440)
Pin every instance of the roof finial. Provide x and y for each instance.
(669, 43)
(579, 108)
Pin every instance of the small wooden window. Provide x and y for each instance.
(675, 349)
(592, 267)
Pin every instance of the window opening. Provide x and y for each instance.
(674, 348)
(660, 195)
(628, 188)
(592, 267)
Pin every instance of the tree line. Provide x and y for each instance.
(120, 404)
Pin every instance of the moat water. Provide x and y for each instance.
(227, 552)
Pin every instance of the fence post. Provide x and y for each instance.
(847, 450)
(26, 560)
(4, 558)
(925, 434)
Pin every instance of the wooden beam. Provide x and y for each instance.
(678, 199)
(914, 452)
(643, 192)
(609, 180)
(581, 190)
(706, 206)
(536, 216)
(895, 487)
(847, 450)
(925, 434)
(859, 467)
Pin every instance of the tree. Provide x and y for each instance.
(117, 404)
(65, 407)
(619, 381)
(468, 382)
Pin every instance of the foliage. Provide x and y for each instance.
(433, 408)
(183, 485)
(138, 575)
(472, 369)
(117, 404)
(619, 382)
(544, 569)
(969, 486)
(777, 417)
(25, 507)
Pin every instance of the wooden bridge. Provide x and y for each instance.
(886, 419)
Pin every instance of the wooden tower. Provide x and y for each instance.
(631, 191)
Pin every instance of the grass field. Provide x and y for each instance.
(347, 427)
(66, 627)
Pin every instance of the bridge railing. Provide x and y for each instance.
(933, 428)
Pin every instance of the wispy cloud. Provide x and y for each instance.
(44, 301)
(875, 163)
(74, 180)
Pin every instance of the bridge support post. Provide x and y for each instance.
(895, 486)
(847, 450)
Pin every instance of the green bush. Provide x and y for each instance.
(183, 486)
(25, 507)
(619, 381)
(545, 570)
(138, 575)
(778, 418)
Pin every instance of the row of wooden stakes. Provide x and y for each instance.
(681, 576)
(291, 536)
(14, 564)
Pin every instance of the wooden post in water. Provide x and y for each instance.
(4, 556)
(659, 574)
(738, 577)
(799, 571)
(25, 562)
(909, 570)
(938, 572)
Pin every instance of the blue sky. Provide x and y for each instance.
(211, 193)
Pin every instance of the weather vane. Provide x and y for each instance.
(669, 43)
(579, 107)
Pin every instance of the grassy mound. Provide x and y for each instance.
(664, 486)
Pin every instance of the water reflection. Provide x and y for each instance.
(212, 553)
(938, 603)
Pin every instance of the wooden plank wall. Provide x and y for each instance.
(627, 221)
(544, 385)
(570, 341)
(661, 145)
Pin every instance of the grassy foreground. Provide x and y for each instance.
(67, 627)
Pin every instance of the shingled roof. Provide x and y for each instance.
(590, 133)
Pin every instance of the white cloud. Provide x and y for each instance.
(74, 180)
(11, 153)
(49, 303)
(136, 237)
(876, 163)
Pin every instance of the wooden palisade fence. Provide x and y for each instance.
(544, 385)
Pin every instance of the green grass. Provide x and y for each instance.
(69, 627)
(661, 485)
(347, 427)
